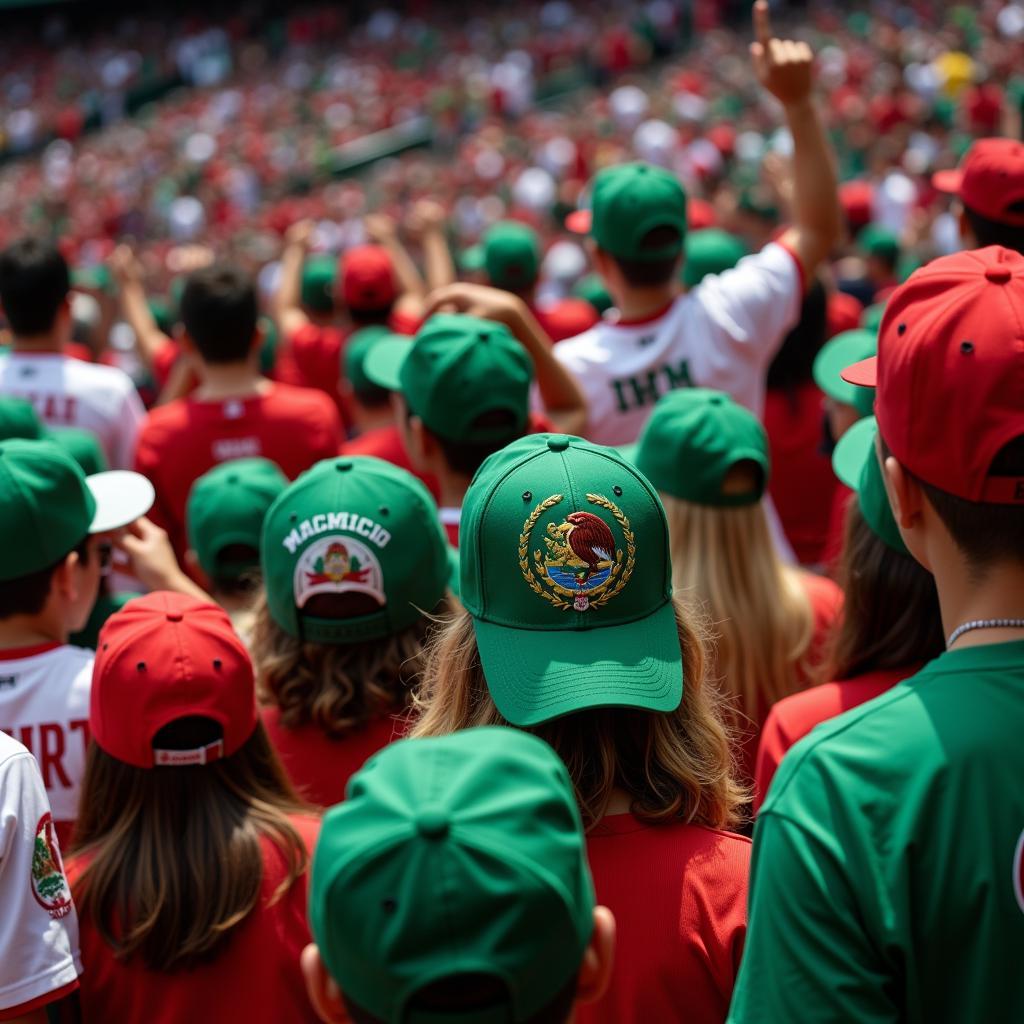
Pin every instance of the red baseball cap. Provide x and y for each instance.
(989, 180)
(843, 313)
(950, 372)
(163, 657)
(857, 199)
(368, 278)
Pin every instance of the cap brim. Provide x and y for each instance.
(629, 452)
(536, 675)
(948, 181)
(121, 497)
(578, 222)
(863, 374)
(852, 450)
(383, 363)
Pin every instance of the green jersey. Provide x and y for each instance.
(887, 879)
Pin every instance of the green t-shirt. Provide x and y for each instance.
(886, 877)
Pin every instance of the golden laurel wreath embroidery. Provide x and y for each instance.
(535, 573)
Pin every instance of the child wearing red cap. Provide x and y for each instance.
(189, 870)
(888, 879)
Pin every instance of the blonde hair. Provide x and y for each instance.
(336, 687)
(675, 766)
(724, 558)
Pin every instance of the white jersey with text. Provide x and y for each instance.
(721, 335)
(68, 392)
(44, 703)
(39, 959)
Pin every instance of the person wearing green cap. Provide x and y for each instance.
(724, 332)
(65, 392)
(369, 403)
(462, 386)
(882, 253)
(708, 459)
(355, 566)
(844, 403)
(513, 934)
(890, 627)
(711, 251)
(511, 260)
(224, 519)
(570, 630)
(592, 289)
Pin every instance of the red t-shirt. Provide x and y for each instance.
(679, 896)
(841, 496)
(255, 977)
(386, 443)
(178, 442)
(793, 718)
(312, 358)
(320, 767)
(566, 318)
(802, 482)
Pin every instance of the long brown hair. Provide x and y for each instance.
(173, 855)
(336, 687)
(674, 767)
(891, 613)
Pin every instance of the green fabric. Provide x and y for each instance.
(268, 350)
(871, 318)
(456, 369)
(319, 276)
(629, 200)
(19, 419)
(566, 624)
(356, 348)
(353, 526)
(105, 606)
(163, 313)
(592, 289)
(881, 243)
(511, 255)
(856, 464)
(886, 877)
(453, 855)
(81, 445)
(46, 508)
(94, 278)
(711, 251)
(835, 356)
(472, 259)
(227, 506)
(693, 438)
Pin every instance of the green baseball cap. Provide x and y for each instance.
(565, 569)
(48, 506)
(319, 280)
(878, 241)
(226, 507)
(710, 251)
(356, 348)
(357, 526)
(626, 202)
(592, 289)
(460, 854)
(472, 259)
(457, 368)
(836, 355)
(18, 419)
(871, 318)
(511, 255)
(855, 462)
(164, 313)
(693, 438)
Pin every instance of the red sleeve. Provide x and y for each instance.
(779, 241)
(770, 750)
(163, 362)
(24, 1009)
(402, 323)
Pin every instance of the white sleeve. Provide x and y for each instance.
(38, 926)
(754, 305)
(129, 422)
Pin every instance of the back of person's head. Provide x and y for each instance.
(34, 285)
(513, 934)
(708, 458)
(219, 310)
(571, 631)
(891, 616)
(511, 253)
(792, 364)
(367, 283)
(354, 563)
(181, 786)
(353, 373)
(467, 380)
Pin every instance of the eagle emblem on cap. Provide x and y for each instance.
(580, 566)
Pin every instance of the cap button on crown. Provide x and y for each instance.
(998, 275)
(558, 444)
(432, 823)
(343, 465)
(174, 616)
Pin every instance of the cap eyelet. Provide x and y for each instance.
(217, 664)
(966, 347)
(384, 510)
(527, 495)
(617, 491)
(389, 906)
(141, 667)
(294, 517)
(901, 329)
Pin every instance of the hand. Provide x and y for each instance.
(783, 67)
(300, 234)
(380, 228)
(427, 215)
(476, 300)
(124, 265)
(150, 555)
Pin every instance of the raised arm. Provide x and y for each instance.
(127, 271)
(286, 306)
(381, 229)
(427, 222)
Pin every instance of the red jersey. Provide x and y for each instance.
(320, 767)
(802, 482)
(679, 896)
(793, 718)
(255, 977)
(294, 427)
(386, 443)
(566, 318)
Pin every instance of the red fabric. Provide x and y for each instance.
(843, 313)
(452, 529)
(320, 767)
(857, 199)
(163, 362)
(256, 977)
(24, 1009)
(294, 427)
(566, 318)
(312, 358)
(679, 896)
(802, 481)
(368, 278)
(386, 443)
(16, 653)
(793, 718)
(841, 495)
(80, 352)
(990, 179)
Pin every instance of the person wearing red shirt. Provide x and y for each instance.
(891, 624)
(190, 869)
(235, 412)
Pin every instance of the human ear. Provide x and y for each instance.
(63, 580)
(596, 969)
(906, 499)
(321, 988)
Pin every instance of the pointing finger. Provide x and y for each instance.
(762, 22)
